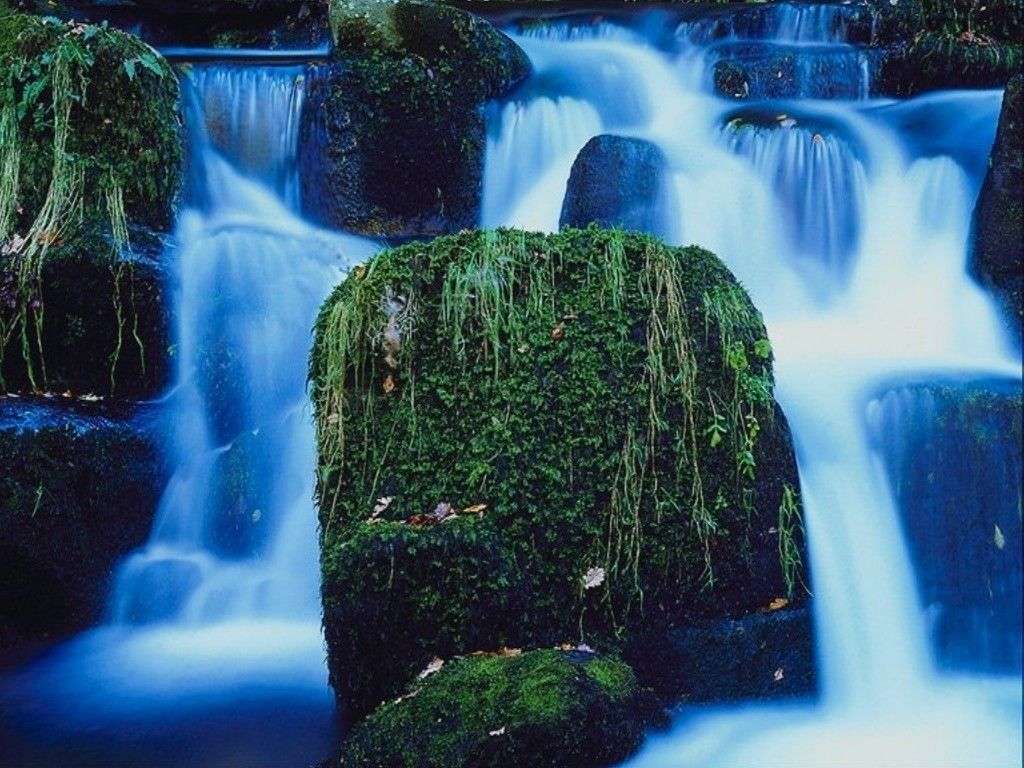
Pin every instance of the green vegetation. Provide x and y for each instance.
(89, 147)
(602, 400)
(535, 709)
(399, 113)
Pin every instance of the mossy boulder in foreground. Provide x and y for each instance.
(393, 135)
(998, 247)
(527, 440)
(532, 710)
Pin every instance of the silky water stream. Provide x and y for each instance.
(212, 652)
(847, 218)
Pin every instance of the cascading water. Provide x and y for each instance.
(220, 611)
(848, 221)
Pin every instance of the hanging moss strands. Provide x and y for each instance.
(597, 404)
(89, 147)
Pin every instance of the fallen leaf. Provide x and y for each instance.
(558, 332)
(499, 732)
(408, 695)
(998, 538)
(382, 503)
(389, 384)
(442, 511)
(256, 515)
(434, 666)
(778, 674)
(475, 509)
(594, 577)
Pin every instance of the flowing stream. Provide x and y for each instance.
(212, 652)
(846, 217)
(848, 220)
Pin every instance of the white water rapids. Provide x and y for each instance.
(851, 234)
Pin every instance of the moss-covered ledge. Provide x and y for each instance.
(90, 165)
(581, 426)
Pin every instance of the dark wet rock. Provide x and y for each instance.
(79, 483)
(997, 257)
(617, 182)
(763, 656)
(500, 385)
(393, 132)
(533, 710)
(731, 80)
(105, 325)
(953, 455)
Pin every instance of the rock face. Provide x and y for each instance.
(924, 45)
(764, 656)
(616, 182)
(534, 710)
(998, 248)
(78, 485)
(392, 135)
(90, 149)
(565, 435)
(953, 454)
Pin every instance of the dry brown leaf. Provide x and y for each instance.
(434, 666)
(475, 509)
(389, 384)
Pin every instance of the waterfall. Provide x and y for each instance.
(219, 612)
(848, 221)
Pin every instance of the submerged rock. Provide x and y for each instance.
(617, 182)
(997, 255)
(79, 483)
(534, 710)
(731, 79)
(393, 134)
(525, 438)
(953, 455)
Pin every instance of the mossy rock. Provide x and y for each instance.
(607, 397)
(998, 238)
(541, 709)
(104, 326)
(79, 483)
(123, 125)
(393, 134)
(925, 45)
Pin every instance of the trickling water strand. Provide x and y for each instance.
(234, 536)
(874, 201)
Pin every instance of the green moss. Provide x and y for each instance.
(540, 708)
(607, 397)
(89, 147)
(399, 112)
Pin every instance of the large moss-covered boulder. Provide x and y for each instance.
(998, 238)
(79, 483)
(393, 136)
(580, 425)
(535, 710)
(617, 182)
(953, 455)
(90, 155)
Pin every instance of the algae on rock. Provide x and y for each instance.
(603, 400)
(533, 710)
